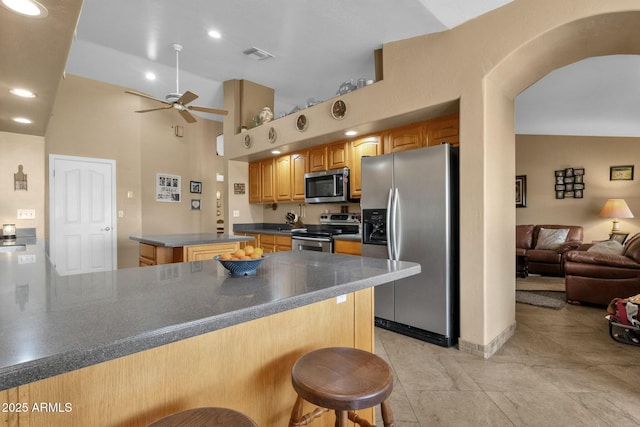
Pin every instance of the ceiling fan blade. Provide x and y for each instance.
(208, 110)
(155, 109)
(144, 95)
(187, 116)
(186, 98)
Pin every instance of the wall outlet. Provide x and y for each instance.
(236, 213)
(26, 214)
(120, 214)
(340, 299)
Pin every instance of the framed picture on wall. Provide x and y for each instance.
(521, 191)
(196, 187)
(621, 173)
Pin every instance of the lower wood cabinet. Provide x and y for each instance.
(157, 255)
(206, 252)
(269, 243)
(347, 247)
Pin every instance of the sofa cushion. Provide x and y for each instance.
(551, 238)
(607, 247)
(524, 237)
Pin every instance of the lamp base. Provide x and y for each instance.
(616, 226)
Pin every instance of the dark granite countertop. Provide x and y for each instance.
(187, 239)
(51, 324)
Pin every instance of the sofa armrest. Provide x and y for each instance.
(568, 246)
(597, 258)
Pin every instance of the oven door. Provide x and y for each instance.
(318, 244)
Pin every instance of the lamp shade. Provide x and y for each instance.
(616, 208)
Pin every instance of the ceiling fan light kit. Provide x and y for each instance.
(178, 101)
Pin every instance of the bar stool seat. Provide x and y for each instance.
(344, 380)
(205, 417)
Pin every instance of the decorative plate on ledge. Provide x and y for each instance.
(302, 122)
(246, 141)
(338, 109)
(272, 135)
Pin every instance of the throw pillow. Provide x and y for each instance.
(551, 238)
(612, 247)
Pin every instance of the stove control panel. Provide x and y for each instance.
(341, 218)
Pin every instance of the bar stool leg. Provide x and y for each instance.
(297, 419)
(387, 414)
(342, 418)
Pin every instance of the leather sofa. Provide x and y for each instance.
(597, 278)
(533, 257)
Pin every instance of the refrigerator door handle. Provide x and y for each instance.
(389, 230)
(396, 236)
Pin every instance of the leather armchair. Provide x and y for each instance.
(597, 278)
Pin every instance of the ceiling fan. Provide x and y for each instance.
(177, 100)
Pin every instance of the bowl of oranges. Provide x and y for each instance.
(242, 262)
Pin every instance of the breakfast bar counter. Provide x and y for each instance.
(132, 345)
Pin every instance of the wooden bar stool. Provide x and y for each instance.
(341, 379)
(205, 417)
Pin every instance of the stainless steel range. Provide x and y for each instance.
(320, 237)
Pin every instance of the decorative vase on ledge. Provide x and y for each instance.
(266, 115)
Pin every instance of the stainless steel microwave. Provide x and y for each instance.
(330, 186)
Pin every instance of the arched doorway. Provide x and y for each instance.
(493, 283)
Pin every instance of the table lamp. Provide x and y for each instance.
(616, 208)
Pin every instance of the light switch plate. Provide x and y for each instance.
(26, 214)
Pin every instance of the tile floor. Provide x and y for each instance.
(560, 368)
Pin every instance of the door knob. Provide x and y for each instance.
(106, 229)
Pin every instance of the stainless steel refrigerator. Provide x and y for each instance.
(410, 212)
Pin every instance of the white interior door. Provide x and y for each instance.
(82, 214)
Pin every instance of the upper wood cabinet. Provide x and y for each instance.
(337, 155)
(255, 182)
(299, 166)
(444, 129)
(268, 174)
(262, 181)
(318, 159)
(366, 146)
(406, 138)
(283, 178)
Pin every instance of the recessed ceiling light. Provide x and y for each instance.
(150, 76)
(351, 133)
(214, 34)
(22, 120)
(276, 152)
(26, 7)
(24, 93)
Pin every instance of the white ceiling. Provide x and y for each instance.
(317, 46)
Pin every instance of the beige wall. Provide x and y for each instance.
(95, 119)
(538, 157)
(28, 151)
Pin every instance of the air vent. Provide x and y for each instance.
(258, 54)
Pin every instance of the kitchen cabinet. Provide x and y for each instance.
(270, 243)
(267, 174)
(255, 182)
(283, 178)
(255, 243)
(337, 155)
(370, 145)
(406, 138)
(262, 181)
(318, 159)
(205, 252)
(157, 255)
(348, 247)
(444, 129)
(299, 166)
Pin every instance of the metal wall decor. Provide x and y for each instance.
(20, 180)
(338, 109)
(246, 141)
(302, 122)
(272, 135)
(569, 183)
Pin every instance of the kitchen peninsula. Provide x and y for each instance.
(170, 248)
(129, 346)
